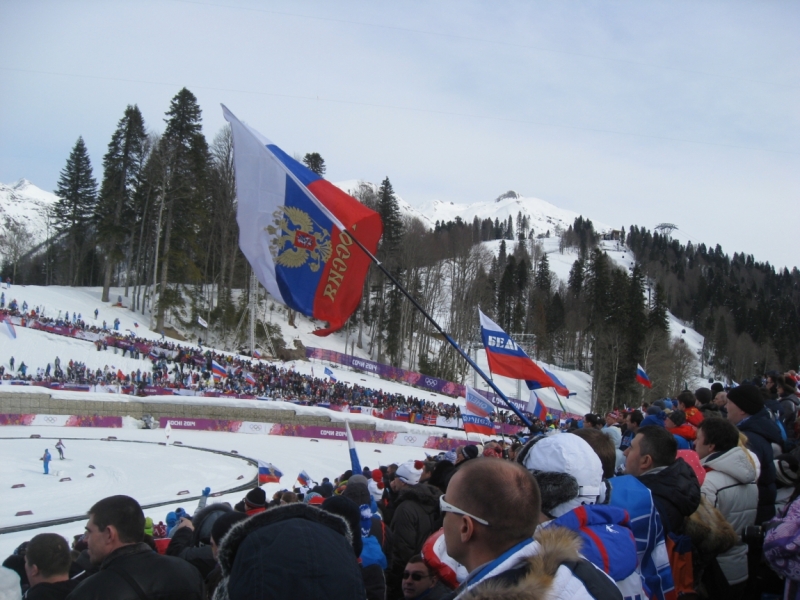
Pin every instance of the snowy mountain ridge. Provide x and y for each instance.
(22, 203)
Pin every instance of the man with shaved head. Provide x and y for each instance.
(491, 511)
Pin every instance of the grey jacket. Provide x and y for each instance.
(730, 486)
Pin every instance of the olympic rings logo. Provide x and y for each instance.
(430, 382)
(255, 426)
(410, 439)
(50, 419)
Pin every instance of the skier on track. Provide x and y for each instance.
(46, 458)
(60, 447)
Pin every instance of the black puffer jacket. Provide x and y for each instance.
(291, 551)
(162, 577)
(416, 517)
(761, 433)
(676, 493)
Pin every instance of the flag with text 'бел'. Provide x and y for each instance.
(506, 358)
(292, 226)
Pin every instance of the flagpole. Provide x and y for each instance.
(446, 336)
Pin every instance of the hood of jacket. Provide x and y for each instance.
(540, 577)
(607, 538)
(292, 551)
(736, 463)
(686, 431)
(676, 493)
(423, 494)
(204, 519)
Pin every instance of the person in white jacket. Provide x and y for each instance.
(730, 486)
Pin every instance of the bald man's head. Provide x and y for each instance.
(501, 492)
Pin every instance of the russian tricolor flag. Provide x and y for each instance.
(329, 374)
(292, 229)
(641, 377)
(559, 387)
(476, 417)
(268, 473)
(10, 326)
(506, 358)
(304, 478)
(256, 354)
(536, 407)
(218, 370)
(248, 377)
(355, 464)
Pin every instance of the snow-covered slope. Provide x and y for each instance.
(25, 204)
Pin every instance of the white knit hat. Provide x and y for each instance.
(410, 472)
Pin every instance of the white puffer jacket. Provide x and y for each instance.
(730, 486)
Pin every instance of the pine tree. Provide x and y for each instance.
(77, 197)
(315, 162)
(389, 210)
(658, 317)
(122, 167)
(185, 163)
(543, 281)
(575, 280)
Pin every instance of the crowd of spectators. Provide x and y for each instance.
(600, 507)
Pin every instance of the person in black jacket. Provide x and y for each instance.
(129, 569)
(416, 516)
(47, 564)
(291, 551)
(746, 411)
(652, 458)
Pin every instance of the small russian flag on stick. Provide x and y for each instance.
(304, 478)
(641, 377)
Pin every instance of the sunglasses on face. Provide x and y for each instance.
(414, 576)
(445, 506)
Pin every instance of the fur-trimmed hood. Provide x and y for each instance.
(535, 573)
(295, 551)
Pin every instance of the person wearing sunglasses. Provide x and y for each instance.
(420, 582)
(491, 511)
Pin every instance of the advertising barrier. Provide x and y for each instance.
(61, 421)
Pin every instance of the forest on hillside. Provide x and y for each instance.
(161, 223)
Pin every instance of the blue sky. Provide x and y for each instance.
(628, 112)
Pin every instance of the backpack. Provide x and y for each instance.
(679, 551)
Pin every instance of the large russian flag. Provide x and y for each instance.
(292, 226)
(268, 473)
(641, 377)
(506, 358)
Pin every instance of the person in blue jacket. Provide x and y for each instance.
(46, 459)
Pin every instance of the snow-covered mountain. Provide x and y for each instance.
(542, 215)
(22, 203)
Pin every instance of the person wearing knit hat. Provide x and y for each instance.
(255, 501)
(746, 411)
(467, 452)
(415, 510)
(375, 486)
(684, 433)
